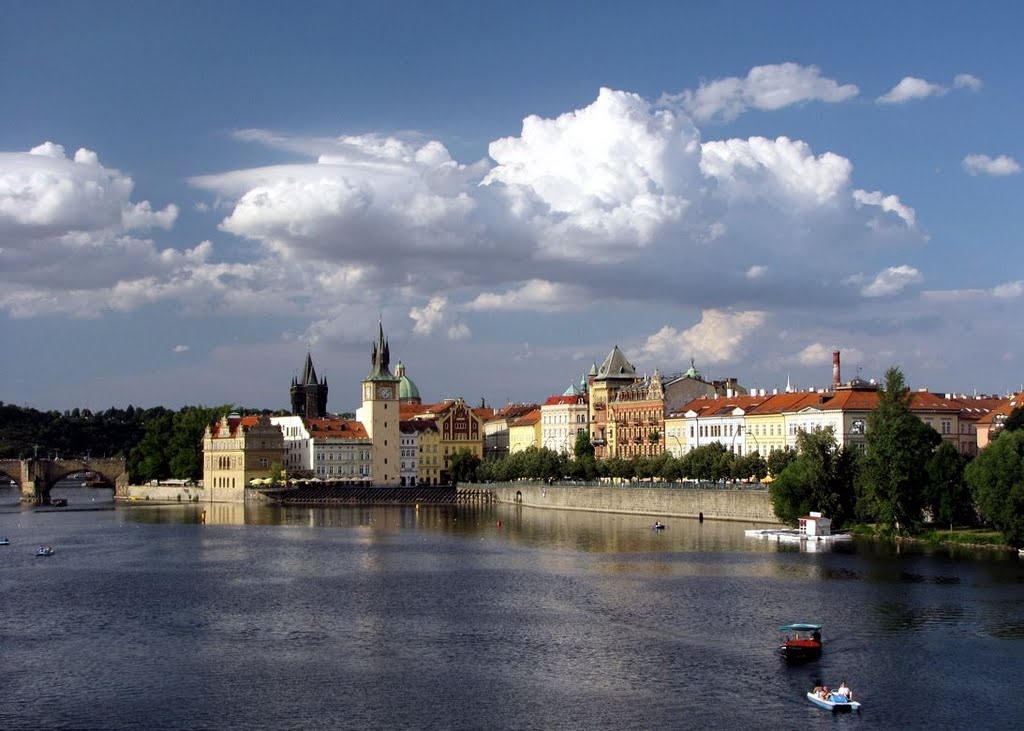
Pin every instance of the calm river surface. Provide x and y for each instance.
(492, 617)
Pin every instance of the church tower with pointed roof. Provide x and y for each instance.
(309, 396)
(380, 414)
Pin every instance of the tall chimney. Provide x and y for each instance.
(835, 369)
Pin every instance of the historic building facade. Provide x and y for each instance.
(496, 441)
(342, 451)
(602, 384)
(525, 432)
(562, 419)
(236, 450)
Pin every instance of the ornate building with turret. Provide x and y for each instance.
(309, 396)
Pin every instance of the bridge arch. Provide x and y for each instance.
(36, 477)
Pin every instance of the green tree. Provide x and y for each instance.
(463, 466)
(779, 459)
(710, 462)
(996, 476)
(894, 469)
(820, 478)
(185, 450)
(1014, 420)
(947, 495)
(149, 459)
(750, 466)
(583, 447)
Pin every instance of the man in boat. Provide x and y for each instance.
(844, 691)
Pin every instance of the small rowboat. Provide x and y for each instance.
(834, 703)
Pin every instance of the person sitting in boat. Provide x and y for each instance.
(844, 691)
(818, 692)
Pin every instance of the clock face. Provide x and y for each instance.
(384, 392)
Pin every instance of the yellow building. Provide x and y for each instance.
(236, 450)
(525, 432)
(424, 462)
(675, 435)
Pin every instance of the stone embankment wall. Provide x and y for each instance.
(174, 494)
(752, 506)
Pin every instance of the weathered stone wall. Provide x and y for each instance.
(744, 505)
(172, 493)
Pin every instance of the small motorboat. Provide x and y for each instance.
(658, 525)
(800, 642)
(45, 551)
(5, 541)
(833, 702)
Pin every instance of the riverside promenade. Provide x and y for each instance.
(728, 502)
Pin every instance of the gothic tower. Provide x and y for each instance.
(309, 396)
(380, 415)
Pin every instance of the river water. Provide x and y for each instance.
(492, 617)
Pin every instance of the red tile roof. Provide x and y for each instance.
(336, 429)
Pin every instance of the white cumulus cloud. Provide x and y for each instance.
(910, 88)
(782, 168)
(718, 337)
(765, 87)
(537, 295)
(615, 171)
(892, 280)
(967, 81)
(430, 316)
(819, 355)
(985, 165)
(888, 203)
(43, 192)
(142, 215)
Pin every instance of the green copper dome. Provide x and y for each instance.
(407, 390)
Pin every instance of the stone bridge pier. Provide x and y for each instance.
(36, 477)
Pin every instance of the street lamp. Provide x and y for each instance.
(737, 433)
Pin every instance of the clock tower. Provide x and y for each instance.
(380, 415)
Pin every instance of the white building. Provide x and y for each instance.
(562, 418)
(298, 443)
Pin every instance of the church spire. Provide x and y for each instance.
(380, 358)
(308, 371)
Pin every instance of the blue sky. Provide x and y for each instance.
(191, 194)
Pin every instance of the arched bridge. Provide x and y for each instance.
(35, 477)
